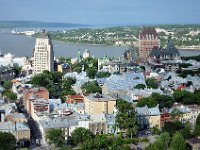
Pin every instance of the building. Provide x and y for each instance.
(148, 39)
(142, 117)
(86, 54)
(169, 53)
(21, 131)
(194, 143)
(71, 99)
(43, 54)
(30, 94)
(154, 119)
(97, 104)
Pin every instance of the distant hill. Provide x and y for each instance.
(18, 24)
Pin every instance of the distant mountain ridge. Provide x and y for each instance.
(17, 24)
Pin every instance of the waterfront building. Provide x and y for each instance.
(169, 53)
(43, 54)
(148, 39)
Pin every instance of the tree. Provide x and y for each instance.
(79, 135)
(186, 132)
(162, 143)
(7, 85)
(7, 141)
(10, 95)
(103, 74)
(172, 127)
(197, 127)
(55, 136)
(178, 142)
(91, 87)
(91, 72)
(126, 118)
(140, 86)
(151, 83)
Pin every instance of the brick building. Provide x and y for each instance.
(148, 39)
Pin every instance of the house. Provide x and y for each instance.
(142, 117)
(70, 99)
(98, 103)
(154, 119)
(194, 143)
(21, 131)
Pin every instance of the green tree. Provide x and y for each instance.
(91, 87)
(172, 127)
(151, 83)
(79, 135)
(10, 95)
(140, 86)
(103, 74)
(7, 85)
(178, 142)
(91, 72)
(7, 141)
(197, 126)
(55, 136)
(186, 132)
(126, 118)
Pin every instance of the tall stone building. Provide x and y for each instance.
(148, 39)
(43, 54)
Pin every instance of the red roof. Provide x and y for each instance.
(75, 96)
(181, 87)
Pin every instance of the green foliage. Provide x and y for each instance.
(17, 70)
(185, 65)
(91, 72)
(197, 58)
(140, 86)
(151, 101)
(172, 127)
(103, 74)
(197, 126)
(7, 141)
(105, 142)
(79, 135)
(7, 85)
(91, 87)
(151, 83)
(186, 97)
(10, 95)
(186, 132)
(125, 118)
(178, 142)
(55, 136)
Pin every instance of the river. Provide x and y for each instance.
(22, 45)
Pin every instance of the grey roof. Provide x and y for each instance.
(99, 97)
(9, 126)
(154, 111)
(8, 108)
(171, 51)
(59, 122)
(142, 111)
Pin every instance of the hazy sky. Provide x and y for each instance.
(102, 12)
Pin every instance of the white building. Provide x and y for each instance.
(43, 55)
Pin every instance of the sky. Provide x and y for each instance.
(102, 12)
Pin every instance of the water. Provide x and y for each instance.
(22, 45)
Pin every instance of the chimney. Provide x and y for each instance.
(2, 117)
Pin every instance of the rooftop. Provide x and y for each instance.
(99, 97)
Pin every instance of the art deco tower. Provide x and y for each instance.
(43, 54)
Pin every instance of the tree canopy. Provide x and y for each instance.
(7, 141)
(79, 135)
(7, 85)
(126, 118)
(151, 83)
(91, 87)
(55, 136)
(197, 126)
(178, 142)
